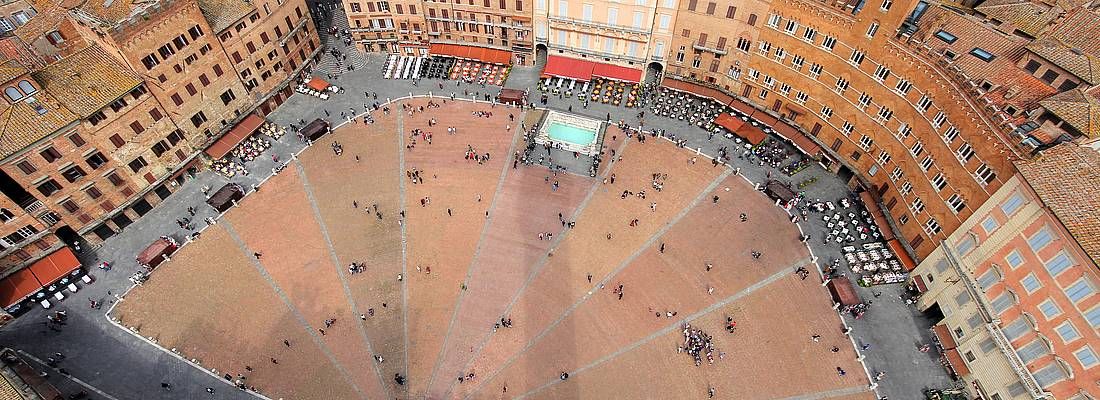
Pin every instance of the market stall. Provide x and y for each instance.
(843, 292)
(314, 130)
(511, 96)
(157, 252)
(777, 190)
(225, 197)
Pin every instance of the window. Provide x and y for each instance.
(989, 224)
(984, 174)
(136, 127)
(1058, 264)
(956, 203)
(26, 167)
(1049, 375)
(872, 29)
(1032, 351)
(801, 97)
(797, 61)
(73, 173)
(1014, 259)
(1067, 332)
(965, 245)
(904, 130)
(881, 73)
(917, 149)
(764, 47)
(924, 103)
(1017, 328)
(96, 160)
(115, 179)
(1012, 204)
(965, 152)
(906, 188)
(50, 154)
(809, 34)
(773, 21)
(903, 87)
(176, 99)
(117, 141)
(865, 142)
(198, 119)
(1086, 357)
(1079, 290)
(1040, 239)
(791, 27)
(785, 89)
(48, 187)
(841, 85)
(815, 70)
(752, 20)
(227, 96)
(731, 12)
(1049, 309)
(886, 5)
(856, 58)
(946, 36)
(1093, 317)
(1031, 283)
(917, 205)
(864, 100)
(896, 174)
(987, 279)
(939, 119)
(950, 134)
(744, 44)
(826, 112)
(150, 61)
(780, 54)
(1003, 302)
(828, 43)
(927, 163)
(847, 128)
(981, 54)
(137, 164)
(932, 227)
(70, 206)
(885, 114)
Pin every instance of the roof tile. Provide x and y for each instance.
(1076, 108)
(1066, 177)
(87, 80)
(1075, 61)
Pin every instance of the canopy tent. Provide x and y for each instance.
(728, 121)
(943, 336)
(511, 96)
(803, 143)
(18, 287)
(752, 134)
(842, 291)
(235, 136)
(476, 53)
(743, 107)
(564, 67)
(876, 213)
(778, 191)
(697, 89)
(766, 119)
(899, 251)
(616, 72)
(955, 361)
(223, 199)
(317, 84)
(155, 253)
(315, 129)
(55, 266)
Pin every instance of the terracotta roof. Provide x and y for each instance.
(11, 69)
(1066, 177)
(22, 125)
(87, 80)
(1076, 108)
(1021, 90)
(50, 14)
(1078, 29)
(1075, 61)
(112, 11)
(222, 14)
(1024, 15)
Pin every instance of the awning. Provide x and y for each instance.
(730, 122)
(510, 96)
(477, 53)
(235, 136)
(17, 287)
(842, 291)
(317, 84)
(918, 281)
(315, 129)
(803, 143)
(876, 213)
(223, 199)
(901, 254)
(779, 191)
(743, 107)
(697, 89)
(943, 335)
(565, 67)
(766, 119)
(752, 134)
(154, 254)
(955, 361)
(617, 72)
(54, 266)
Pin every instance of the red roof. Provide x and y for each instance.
(943, 334)
(729, 122)
(803, 143)
(151, 255)
(317, 84)
(493, 56)
(17, 286)
(899, 252)
(618, 73)
(752, 134)
(54, 266)
(743, 107)
(956, 362)
(234, 137)
(569, 68)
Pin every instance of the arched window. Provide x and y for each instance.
(27, 87)
(6, 215)
(13, 93)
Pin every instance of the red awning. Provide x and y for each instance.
(877, 215)
(918, 281)
(843, 292)
(730, 122)
(17, 287)
(766, 119)
(493, 56)
(800, 141)
(54, 266)
(697, 89)
(956, 362)
(752, 134)
(743, 107)
(235, 136)
(901, 254)
(152, 255)
(943, 335)
(618, 73)
(317, 84)
(569, 68)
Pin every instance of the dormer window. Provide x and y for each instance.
(27, 87)
(13, 93)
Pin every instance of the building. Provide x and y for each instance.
(108, 104)
(1016, 284)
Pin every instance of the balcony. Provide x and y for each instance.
(601, 54)
(709, 47)
(32, 206)
(598, 25)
